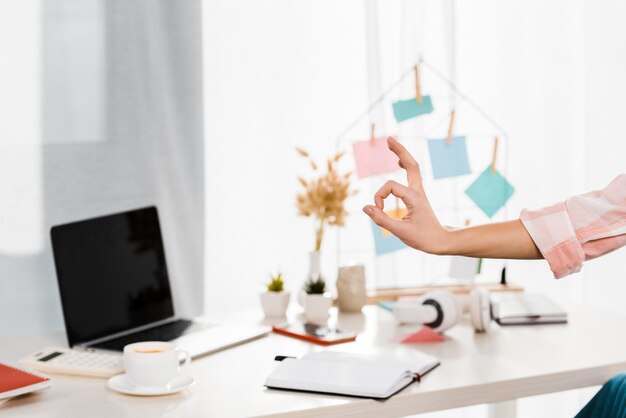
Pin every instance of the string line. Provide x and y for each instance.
(501, 131)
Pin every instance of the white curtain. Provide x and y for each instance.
(142, 143)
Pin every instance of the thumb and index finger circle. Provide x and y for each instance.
(414, 175)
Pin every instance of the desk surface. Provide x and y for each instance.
(504, 364)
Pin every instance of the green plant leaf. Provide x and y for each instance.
(315, 286)
(276, 283)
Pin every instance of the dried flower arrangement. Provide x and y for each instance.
(324, 195)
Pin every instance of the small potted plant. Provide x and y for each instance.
(275, 299)
(317, 301)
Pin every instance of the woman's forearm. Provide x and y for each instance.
(421, 229)
(557, 228)
(498, 240)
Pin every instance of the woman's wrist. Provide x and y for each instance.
(473, 241)
(447, 244)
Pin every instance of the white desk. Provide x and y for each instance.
(502, 365)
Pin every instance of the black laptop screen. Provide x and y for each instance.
(112, 274)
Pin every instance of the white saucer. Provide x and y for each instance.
(121, 383)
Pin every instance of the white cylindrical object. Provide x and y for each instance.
(413, 313)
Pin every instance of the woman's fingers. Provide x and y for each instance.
(394, 188)
(407, 162)
(381, 219)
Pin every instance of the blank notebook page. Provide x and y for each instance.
(347, 378)
(418, 362)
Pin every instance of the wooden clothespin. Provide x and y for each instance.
(450, 128)
(372, 133)
(495, 154)
(418, 89)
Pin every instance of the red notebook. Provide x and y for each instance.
(15, 381)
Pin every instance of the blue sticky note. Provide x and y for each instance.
(408, 109)
(386, 243)
(387, 305)
(490, 191)
(448, 160)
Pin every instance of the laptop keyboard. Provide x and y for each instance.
(165, 332)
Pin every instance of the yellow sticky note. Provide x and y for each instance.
(397, 213)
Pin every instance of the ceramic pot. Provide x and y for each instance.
(275, 303)
(316, 307)
(351, 291)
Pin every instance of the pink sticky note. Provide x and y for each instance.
(374, 157)
(424, 335)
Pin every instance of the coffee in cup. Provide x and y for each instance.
(153, 363)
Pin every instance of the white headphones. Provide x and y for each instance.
(440, 310)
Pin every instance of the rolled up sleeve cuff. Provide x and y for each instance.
(552, 231)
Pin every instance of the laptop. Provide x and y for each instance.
(115, 288)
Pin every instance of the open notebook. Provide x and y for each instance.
(349, 374)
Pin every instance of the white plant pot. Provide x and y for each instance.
(275, 303)
(316, 307)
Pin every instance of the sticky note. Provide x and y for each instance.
(387, 305)
(408, 109)
(373, 158)
(397, 213)
(464, 268)
(490, 191)
(448, 160)
(424, 335)
(385, 244)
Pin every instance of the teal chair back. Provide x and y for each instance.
(609, 402)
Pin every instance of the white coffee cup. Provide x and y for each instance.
(153, 363)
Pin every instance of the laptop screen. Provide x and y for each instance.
(112, 274)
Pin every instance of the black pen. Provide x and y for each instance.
(281, 358)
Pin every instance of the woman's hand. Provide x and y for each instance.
(420, 228)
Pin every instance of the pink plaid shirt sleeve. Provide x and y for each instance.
(581, 228)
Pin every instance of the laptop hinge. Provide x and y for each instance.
(86, 344)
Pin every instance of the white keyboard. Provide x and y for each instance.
(75, 362)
